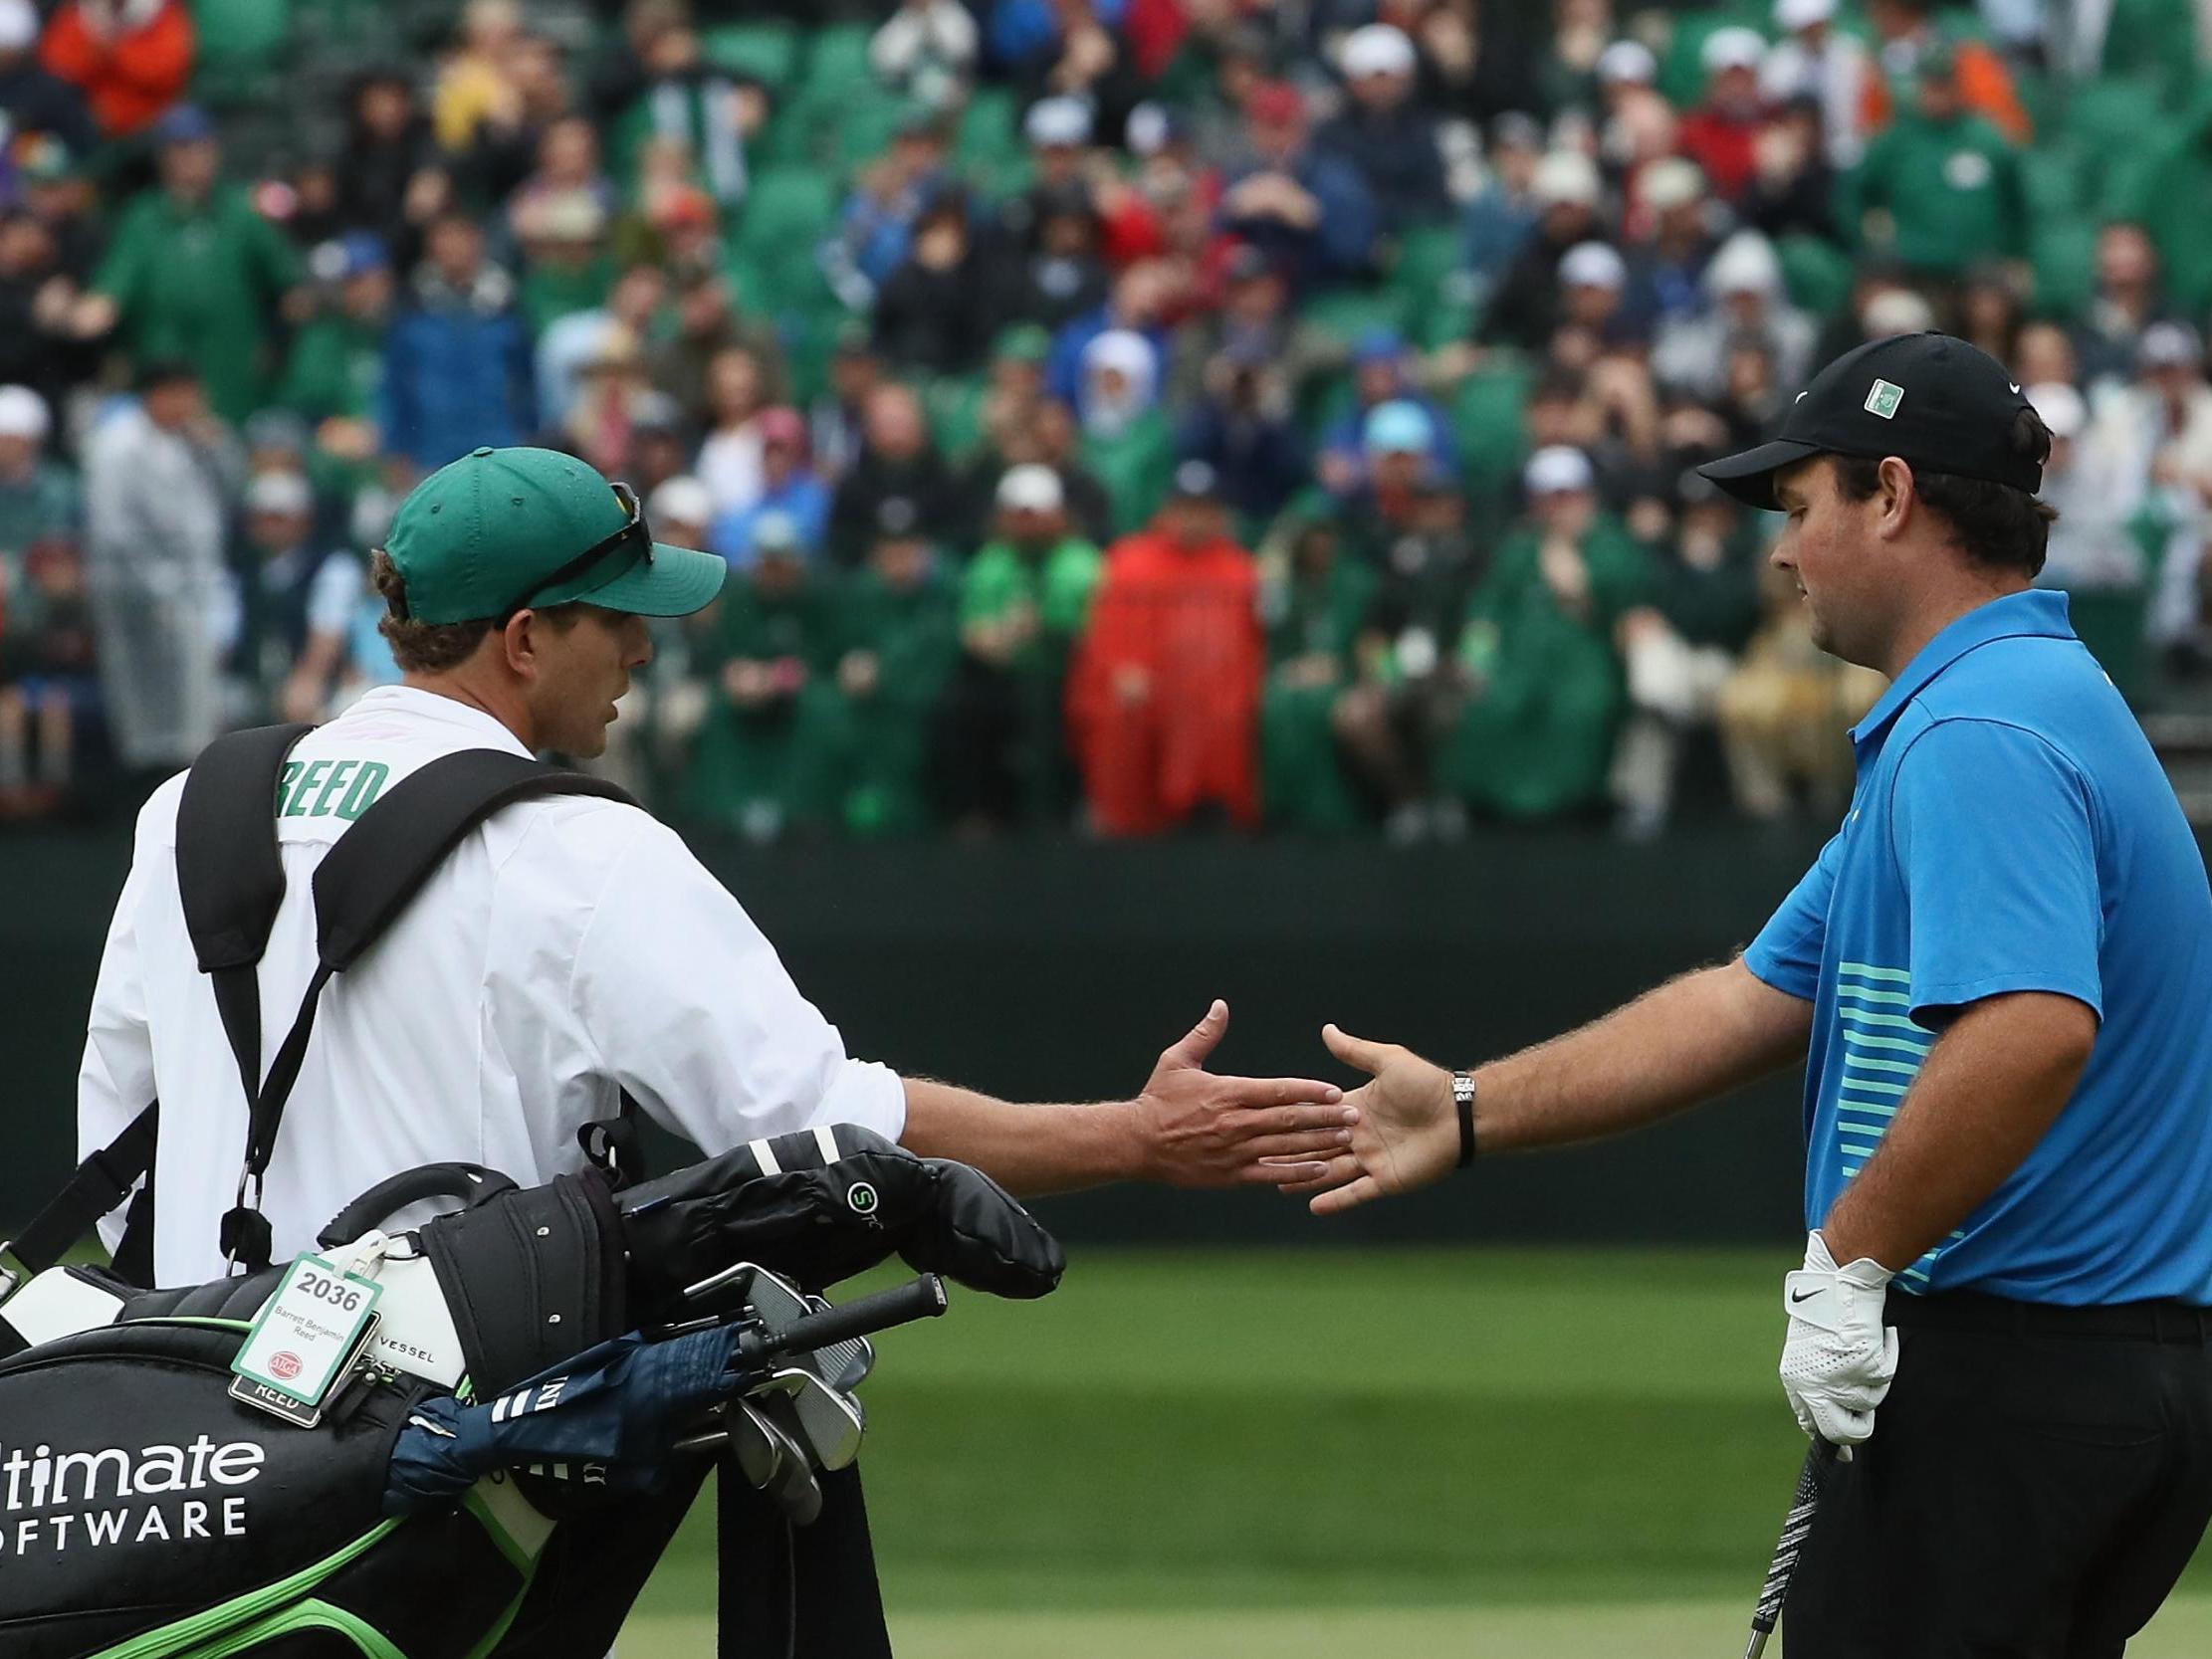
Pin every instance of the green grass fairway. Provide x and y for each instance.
(1647, 1631)
(1501, 1452)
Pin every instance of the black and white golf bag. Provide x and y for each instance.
(551, 1372)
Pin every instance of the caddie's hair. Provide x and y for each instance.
(1999, 528)
(435, 647)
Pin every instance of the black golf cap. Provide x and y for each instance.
(1932, 400)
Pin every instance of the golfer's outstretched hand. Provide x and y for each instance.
(1407, 1135)
(1199, 1129)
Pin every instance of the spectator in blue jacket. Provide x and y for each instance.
(457, 368)
(1242, 428)
(1501, 216)
(1379, 375)
(1308, 211)
(1384, 134)
(789, 487)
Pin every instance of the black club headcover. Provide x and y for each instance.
(821, 1205)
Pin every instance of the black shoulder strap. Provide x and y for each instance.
(231, 879)
(377, 865)
(362, 884)
(101, 1182)
(230, 874)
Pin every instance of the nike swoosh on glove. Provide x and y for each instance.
(1838, 1358)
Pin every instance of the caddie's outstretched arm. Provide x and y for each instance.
(1188, 1126)
(1680, 1044)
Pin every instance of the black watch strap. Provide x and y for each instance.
(1463, 1096)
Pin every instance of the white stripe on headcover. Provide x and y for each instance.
(825, 1138)
(764, 1156)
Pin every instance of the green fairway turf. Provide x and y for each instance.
(1186, 1443)
(1647, 1630)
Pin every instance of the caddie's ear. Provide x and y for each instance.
(519, 644)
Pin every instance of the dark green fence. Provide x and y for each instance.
(1059, 970)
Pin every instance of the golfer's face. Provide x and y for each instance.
(1823, 547)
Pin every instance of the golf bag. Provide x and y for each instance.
(148, 1511)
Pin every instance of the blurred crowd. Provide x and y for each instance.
(1125, 415)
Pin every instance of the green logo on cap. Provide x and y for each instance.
(1882, 399)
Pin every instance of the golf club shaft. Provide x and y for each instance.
(1812, 1478)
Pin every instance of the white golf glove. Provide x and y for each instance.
(1838, 1358)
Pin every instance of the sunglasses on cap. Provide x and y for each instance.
(633, 532)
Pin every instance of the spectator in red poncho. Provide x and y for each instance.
(1164, 698)
(1722, 133)
(129, 57)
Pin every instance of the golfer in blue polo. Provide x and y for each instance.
(1998, 975)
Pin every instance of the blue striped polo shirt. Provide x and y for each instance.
(2011, 830)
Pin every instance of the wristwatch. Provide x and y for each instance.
(1463, 1097)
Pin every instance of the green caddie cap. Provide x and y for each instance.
(506, 529)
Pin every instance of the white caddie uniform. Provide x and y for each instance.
(568, 949)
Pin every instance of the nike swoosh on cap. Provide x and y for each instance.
(2014, 384)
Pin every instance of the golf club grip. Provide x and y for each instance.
(1812, 1478)
(922, 1298)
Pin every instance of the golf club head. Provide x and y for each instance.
(793, 1485)
(843, 1366)
(757, 1448)
(779, 1305)
(830, 1424)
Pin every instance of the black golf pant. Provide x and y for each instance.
(2037, 1480)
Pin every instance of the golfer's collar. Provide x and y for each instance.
(2034, 613)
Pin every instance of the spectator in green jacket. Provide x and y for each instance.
(2168, 197)
(39, 498)
(336, 377)
(898, 640)
(1681, 644)
(1946, 181)
(773, 742)
(1545, 693)
(1127, 441)
(1023, 602)
(194, 272)
(1316, 600)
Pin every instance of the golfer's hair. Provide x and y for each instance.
(1999, 528)
(435, 647)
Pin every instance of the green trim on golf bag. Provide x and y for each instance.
(205, 1494)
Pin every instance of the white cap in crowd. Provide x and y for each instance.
(285, 493)
(1792, 15)
(1627, 61)
(23, 414)
(1377, 49)
(1593, 265)
(1744, 263)
(2169, 345)
(19, 24)
(682, 500)
(1556, 469)
(1030, 488)
(2061, 408)
(1053, 123)
(1669, 182)
(1897, 310)
(1566, 175)
(1733, 48)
